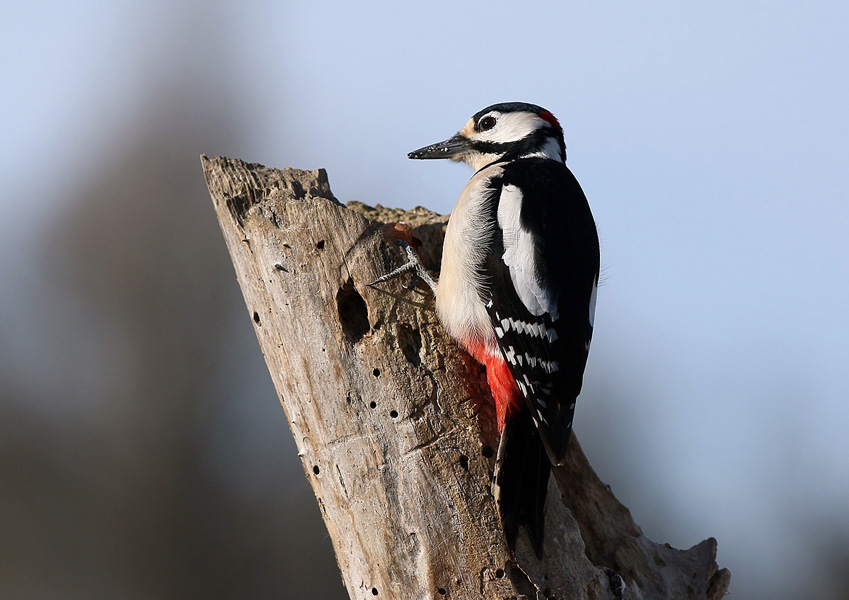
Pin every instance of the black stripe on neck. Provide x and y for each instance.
(533, 142)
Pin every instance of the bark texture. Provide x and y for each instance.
(394, 424)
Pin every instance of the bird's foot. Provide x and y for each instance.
(414, 265)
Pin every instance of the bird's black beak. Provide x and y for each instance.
(450, 148)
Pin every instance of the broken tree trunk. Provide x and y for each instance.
(394, 424)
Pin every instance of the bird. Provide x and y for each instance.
(517, 290)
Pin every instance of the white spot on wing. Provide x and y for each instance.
(549, 366)
(519, 250)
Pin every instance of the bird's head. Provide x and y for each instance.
(505, 131)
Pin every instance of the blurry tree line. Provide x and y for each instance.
(173, 474)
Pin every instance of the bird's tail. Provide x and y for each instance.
(520, 482)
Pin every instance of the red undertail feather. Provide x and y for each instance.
(505, 392)
(522, 467)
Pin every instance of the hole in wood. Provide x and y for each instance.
(353, 313)
(487, 451)
(376, 372)
(316, 470)
(374, 591)
(256, 318)
(499, 573)
(410, 342)
(320, 244)
(372, 404)
(464, 462)
(393, 414)
(442, 591)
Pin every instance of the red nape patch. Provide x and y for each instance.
(505, 392)
(547, 116)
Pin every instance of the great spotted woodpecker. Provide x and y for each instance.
(517, 290)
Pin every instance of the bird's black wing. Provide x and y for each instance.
(542, 277)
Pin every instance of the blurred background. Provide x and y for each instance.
(143, 451)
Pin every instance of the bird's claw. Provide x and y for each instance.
(413, 264)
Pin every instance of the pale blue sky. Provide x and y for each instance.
(711, 140)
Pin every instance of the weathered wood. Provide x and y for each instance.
(393, 422)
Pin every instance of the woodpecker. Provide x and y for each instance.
(517, 290)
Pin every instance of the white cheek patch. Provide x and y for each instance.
(519, 255)
(510, 127)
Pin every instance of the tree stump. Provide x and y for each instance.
(394, 423)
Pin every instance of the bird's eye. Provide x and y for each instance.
(487, 123)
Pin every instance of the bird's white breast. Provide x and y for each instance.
(458, 298)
